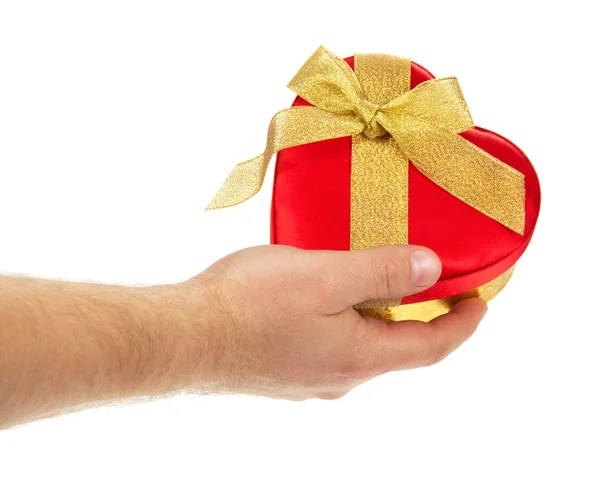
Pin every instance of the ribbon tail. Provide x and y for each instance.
(289, 128)
(463, 169)
(244, 181)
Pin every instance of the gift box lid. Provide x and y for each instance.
(311, 208)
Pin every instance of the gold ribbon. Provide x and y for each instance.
(430, 309)
(424, 124)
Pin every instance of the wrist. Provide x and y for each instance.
(189, 336)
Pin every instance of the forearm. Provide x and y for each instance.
(64, 345)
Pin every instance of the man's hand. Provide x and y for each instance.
(286, 326)
(273, 320)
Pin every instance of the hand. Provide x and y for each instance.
(282, 323)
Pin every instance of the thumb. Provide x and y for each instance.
(383, 273)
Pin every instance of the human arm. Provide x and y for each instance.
(274, 321)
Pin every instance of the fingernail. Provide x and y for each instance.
(426, 268)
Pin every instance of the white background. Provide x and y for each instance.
(114, 135)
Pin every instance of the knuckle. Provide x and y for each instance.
(437, 354)
(360, 364)
(386, 272)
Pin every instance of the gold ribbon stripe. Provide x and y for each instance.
(379, 188)
(379, 178)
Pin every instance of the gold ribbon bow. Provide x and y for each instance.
(424, 123)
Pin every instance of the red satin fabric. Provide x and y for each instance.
(311, 209)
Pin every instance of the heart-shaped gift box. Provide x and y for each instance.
(350, 192)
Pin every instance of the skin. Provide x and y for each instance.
(273, 321)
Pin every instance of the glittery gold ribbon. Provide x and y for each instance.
(430, 309)
(424, 124)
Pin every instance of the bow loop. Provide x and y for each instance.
(327, 82)
(439, 102)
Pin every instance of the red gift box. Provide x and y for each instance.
(311, 209)
(313, 185)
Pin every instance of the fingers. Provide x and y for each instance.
(340, 279)
(413, 344)
(390, 272)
